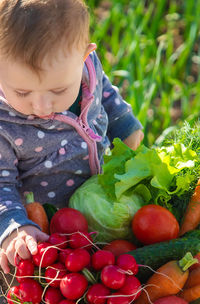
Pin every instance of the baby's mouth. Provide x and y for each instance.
(50, 116)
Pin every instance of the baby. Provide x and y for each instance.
(58, 113)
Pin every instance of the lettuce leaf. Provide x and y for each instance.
(164, 171)
(114, 164)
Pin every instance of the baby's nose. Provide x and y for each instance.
(42, 104)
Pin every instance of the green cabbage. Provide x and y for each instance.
(110, 219)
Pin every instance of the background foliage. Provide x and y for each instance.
(151, 51)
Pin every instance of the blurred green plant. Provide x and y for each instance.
(151, 51)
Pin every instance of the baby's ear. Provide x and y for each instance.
(90, 48)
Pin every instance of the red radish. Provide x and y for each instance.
(73, 285)
(131, 287)
(46, 255)
(66, 301)
(112, 277)
(52, 296)
(77, 260)
(13, 295)
(63, 254)
(30, 291)
(53, 271)
(97, 294)
(68, 220)
(58, 240)
(17, 259)
(128, 263)
(80, 240)
(118, 298)
(25, 268)
(102, 258)
(170, 300)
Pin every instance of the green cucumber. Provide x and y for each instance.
(193, 233)
(158, 254)
(50, 210)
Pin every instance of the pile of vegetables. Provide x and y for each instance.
(70, 267)
(129, 235)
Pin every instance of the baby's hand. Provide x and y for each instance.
(21, 243)
(133, 141)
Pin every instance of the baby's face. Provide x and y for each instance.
(54, 91)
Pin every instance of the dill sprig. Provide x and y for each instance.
(189, 135)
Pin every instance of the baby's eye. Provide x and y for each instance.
(59, 92)
(20, 94)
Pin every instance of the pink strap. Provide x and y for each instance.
(92, 74)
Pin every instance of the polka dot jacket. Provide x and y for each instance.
(54, 156)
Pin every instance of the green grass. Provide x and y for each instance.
(151, 51)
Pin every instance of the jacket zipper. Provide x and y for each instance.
(90, 138)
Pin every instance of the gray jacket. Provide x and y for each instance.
(52, 157)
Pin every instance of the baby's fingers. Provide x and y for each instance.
(4, 261)
(22, 249)
(17, 248)
(31, 244)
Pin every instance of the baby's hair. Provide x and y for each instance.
(32, 29)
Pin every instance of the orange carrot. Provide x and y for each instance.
(192, 215)
(190, 294)
(169, 279)
(193, 278)
(36, 213)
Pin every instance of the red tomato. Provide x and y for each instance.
(118, 247)
(153, 223)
